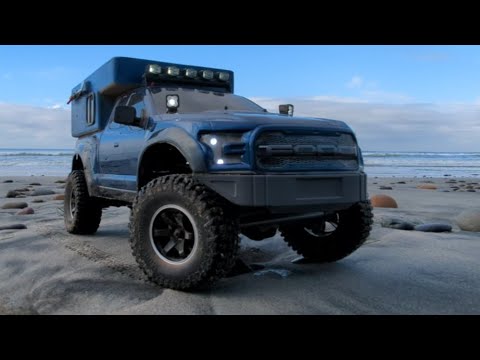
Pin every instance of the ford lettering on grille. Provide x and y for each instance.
(307, 150)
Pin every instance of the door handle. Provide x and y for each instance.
(115, 144)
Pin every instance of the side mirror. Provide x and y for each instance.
(286, 109)
(125, 115)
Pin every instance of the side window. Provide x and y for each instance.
(91, 109)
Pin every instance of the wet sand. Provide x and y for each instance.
(45, 270)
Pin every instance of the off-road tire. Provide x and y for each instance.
(217, 233)
(87, 215)
(354, 225)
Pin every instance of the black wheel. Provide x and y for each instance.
(332, 238)
(181, 234)
(82, 213)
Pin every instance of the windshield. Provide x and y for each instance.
(194, 101)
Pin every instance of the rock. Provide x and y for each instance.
(60, 182)
(386, 188)
(446, 190)
(12, 194)
(38, 200)
(22, 190)
(40, 192)
(427, 187)
(462, 181)
(397, 224)
(383, 201)
(447, 175)
(469, 220)
(26, 211)
(433, 227)
(59, 197)
(469, 187)
(7, 181)
(35, 184)
(401, 182)
(15, 205)
(471, 190)
(13, 227)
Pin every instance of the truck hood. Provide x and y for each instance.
(245, 121)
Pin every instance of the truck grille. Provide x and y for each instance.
(288, 151)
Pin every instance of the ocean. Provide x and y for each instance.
(57, 162)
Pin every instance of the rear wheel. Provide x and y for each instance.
(181, 235)
(332, 238)
(82, 213)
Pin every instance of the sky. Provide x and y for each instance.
(396, 98)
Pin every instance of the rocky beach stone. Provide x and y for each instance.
(26, 211)
(469, 220)
(471, 190)
(427, 187)
(398, 224)
(12, 227)
(15, 205)
(38, 200)
(386, 188)
(59, 197)
(35, 184)
(383, 201)
(7, 181)
(401, 182)
(60, 182)
(433, 227)
(12, 194)
(40, 192)
(22, 190)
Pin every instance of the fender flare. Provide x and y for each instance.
(183, 142)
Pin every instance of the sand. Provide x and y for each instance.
(45, 270)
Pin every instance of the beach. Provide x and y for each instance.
(45, 270)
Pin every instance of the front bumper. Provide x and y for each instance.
(290, 192)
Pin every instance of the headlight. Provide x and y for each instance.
(224, 148)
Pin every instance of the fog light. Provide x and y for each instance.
(173, 71)
(213, 141)
(172, 103)
(207, 74)
(223, 76)
(155, 69)
(191, 73)
(220, 162)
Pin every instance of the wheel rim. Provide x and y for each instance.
(173, 234)
(325, 228)
(73, 206)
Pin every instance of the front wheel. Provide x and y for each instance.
(82, 213)
(180, 234)
(332, 238)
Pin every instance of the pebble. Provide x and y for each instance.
(60, 182)
(15, 205)
(12, 194)
(38, 200)
(401, 182)
(26, 211)
(471, 190)
(383, 201)
(397, 224)
(386, 188)
(35, 184)
(433, 227)
(427, 187)
(13, 227)
(40, 192)
(7, 181)
(469, 220)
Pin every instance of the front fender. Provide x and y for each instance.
(184, 142)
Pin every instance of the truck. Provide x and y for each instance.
(199, 165)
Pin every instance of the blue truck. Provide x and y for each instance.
(199, 165)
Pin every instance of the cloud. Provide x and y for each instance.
(355, 82)
(396, 127)
(34, 127)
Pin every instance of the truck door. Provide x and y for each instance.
(120, 146)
